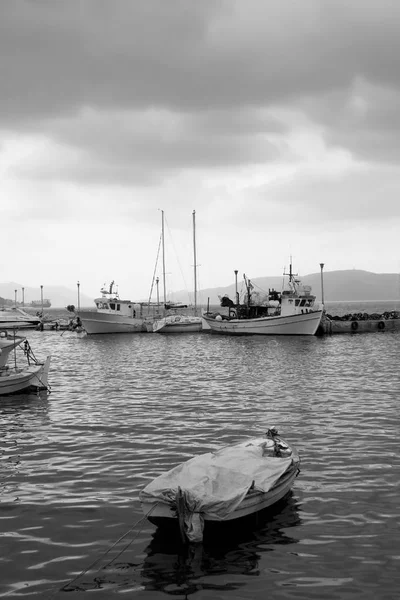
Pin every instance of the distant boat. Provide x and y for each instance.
(113, 315)
(222, 485)
(39, 303)
(31, 375)
(291, 312)
(181, 322)
(17, 318)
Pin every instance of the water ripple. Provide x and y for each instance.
(125, 408)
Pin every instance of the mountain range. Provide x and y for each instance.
(347, 285)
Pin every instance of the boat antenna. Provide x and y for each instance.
(290, 274)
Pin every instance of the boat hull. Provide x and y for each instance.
(31, 378)
(19, 325)
(96, 323)
(178, 324)
(299, 324)
(162, 514)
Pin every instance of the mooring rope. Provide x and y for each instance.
(67, 585)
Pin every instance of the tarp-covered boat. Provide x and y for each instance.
(233, 482)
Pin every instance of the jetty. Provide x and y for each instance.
(359, 323)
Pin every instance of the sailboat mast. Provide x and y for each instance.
(195, 262)
(163, 256)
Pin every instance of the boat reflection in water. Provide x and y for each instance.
(226, 552)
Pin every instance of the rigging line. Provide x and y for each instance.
(66, 585)
(177, 258)
(155, 268)
(129, 543)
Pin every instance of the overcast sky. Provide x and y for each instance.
(276, 121)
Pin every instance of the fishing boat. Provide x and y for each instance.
(14, 317)
(180, 322)
(32, 375)
(224, 485)
(113, 315)
(291, 312)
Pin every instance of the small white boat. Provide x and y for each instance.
(224, 485)
(32, 375)
(292, 312)
(14, 317)
(178, 324)
(113, 315)
(184, 321)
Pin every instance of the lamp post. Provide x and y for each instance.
(236, 288)
(322, 282)
(15, 298)
(23, 297)
(41, 297)
(79, 299)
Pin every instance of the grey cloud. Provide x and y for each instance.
(58, 56)
(200, 59)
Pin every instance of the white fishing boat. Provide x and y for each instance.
(16, 318)
(292, 312)
(223, 485)
(113, 315)
(180, 321)
(31, 375)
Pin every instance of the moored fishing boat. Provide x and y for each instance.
(291, 312)
(32, 375)
(223, 485)
(113, 315)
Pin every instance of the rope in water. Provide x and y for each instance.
(66, 586)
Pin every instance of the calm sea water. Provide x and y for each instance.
(124, 408)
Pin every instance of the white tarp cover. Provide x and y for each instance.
(215, 483)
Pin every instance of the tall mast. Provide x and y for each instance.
(195, 262)
(163, 256)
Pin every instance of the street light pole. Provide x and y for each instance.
(79, 299)
(322, 283)
(236, 288)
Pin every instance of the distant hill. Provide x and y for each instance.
(59, 296)
(349, 285)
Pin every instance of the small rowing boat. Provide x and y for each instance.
(223, 485)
